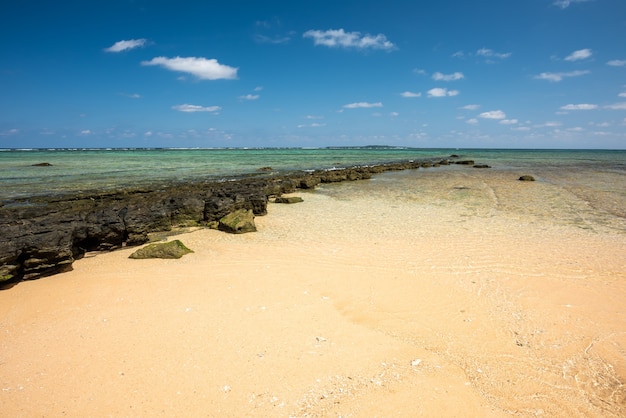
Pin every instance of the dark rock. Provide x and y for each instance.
(42, 165)
(526, 177)
(465, 162)
(291, 199)
(172, 249)
(454, 156)
(238, 222)
(309, 182)
(481, 166)
(266, 169)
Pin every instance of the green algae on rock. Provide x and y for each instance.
(171, 249)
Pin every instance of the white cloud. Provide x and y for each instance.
(560, 76)
(410, 94)
(195, 108)
(549, 124)
(340, 38)
(581, 54)
(86, 132)
(249, 97)
(126, 45)
(472, 121)
(259, 88)
(440, 92)
(582, 106)
(205, 69)
(394, 114)
(509, 121)
(448, 77)
(622, 94)
(9, 132)
(564, 4)
(493, 114)
(471, 107)
(616, 106)
(485, 52)
(312, 125)
(617, 63)
(361, 105)
(314, 117)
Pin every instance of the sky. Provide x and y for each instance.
(427, 74)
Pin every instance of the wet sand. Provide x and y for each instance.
(465, 294)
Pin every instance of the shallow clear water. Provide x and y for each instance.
(596, 174)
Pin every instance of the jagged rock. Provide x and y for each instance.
(291, 199)
(309, 182)
(465, 162)
(238, 222)
(481, 166)
(42, 165)
(171, 249)
(526, 177)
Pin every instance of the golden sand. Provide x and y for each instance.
(358, 302)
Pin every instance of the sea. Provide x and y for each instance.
(35, 172)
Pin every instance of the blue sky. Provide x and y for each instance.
(463, 73)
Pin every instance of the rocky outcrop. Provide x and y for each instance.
(41, 236)
(171, 249)
(526, 177)
(288, 200)
(240, 221)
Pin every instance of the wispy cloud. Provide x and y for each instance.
(410, 94)
(312, 125)
(204, 69)
(362, 105)
(470, 107)
(249, 97)
(616, 106)
(9, 132)
(442, 92)
(273, 25)
(274, 39)
(509, 121)
(564, 4)
(489, 53)
(338, 38)
(581, 54)
(617, 63)
(189, 108)
(582, 106)
(126, 45)
(493, 114)
(131, 95)
(472, 121)
(448, 77)
(560, 76)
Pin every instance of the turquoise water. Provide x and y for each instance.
(109, 169)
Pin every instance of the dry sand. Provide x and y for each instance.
(358, 302)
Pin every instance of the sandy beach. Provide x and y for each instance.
(467, 294)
